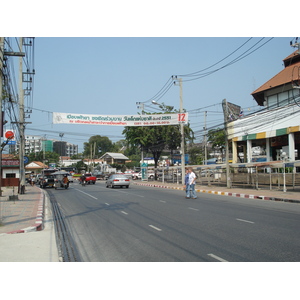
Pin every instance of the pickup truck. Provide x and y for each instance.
(89, 178)
(100, 175)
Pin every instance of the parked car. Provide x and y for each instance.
(117, 180)
(207, 173)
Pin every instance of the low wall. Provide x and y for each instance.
(10, 182)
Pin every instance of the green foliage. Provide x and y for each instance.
(155, 139)
(217, 137)
(97, 145)
(196, 155)
(81, 166)
(47, 157)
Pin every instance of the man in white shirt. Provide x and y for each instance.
(192, 183)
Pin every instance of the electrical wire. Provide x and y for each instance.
(193, 74)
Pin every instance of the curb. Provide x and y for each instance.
(39, 220)
(223, 193)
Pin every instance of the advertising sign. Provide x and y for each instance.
(120, 120)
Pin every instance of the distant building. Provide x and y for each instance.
(114, 158)
(64, 148)
(36, 144)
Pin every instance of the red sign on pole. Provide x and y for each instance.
(9, 135)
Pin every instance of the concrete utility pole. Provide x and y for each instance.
(205, 139)
(20, 54)
(225, 111)
(182, 134)
(21, 123)
(1, 88)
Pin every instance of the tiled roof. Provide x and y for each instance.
(287, 75)
(283, 77)
(36, 165)
(114, 155)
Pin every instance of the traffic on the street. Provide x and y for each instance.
(146, 224)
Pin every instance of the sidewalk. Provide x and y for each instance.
(273, 195)
(27, 230)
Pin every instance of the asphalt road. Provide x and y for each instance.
(153, 224)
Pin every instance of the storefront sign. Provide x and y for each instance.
(10, 163)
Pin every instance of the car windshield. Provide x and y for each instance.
(119, 176)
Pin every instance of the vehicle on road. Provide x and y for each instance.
(61, 179)
(118, 180)
(100, 175)
(89, 178)
(47, 178)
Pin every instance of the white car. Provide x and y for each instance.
(118, 180)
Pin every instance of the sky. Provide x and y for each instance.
(107, 60)
(102, 75)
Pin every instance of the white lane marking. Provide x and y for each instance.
(124, 212)
(107, 204)
(217, 257)
(193, 208)
(86, 194)
(241, 220)
(131, 194)
(156, 228)
(162, 201)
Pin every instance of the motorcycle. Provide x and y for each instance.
(82, 181)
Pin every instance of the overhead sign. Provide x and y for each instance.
(120, 120)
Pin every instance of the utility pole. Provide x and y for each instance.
(1, 88)
(205, 142)
(21, 98)
(225, 111)
(181, 132)
(21, 123)
(61, 152)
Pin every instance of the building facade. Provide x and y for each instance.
(64, 148)
(273, 133)
(36, 144)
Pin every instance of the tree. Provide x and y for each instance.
(155, 139)
(217, 138)
(98, 145)
(196, 155)
(81, 166)
(47, 157)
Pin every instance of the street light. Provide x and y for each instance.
(168, 107)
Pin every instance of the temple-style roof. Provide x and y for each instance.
(287, 75)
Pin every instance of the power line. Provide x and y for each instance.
(200, 74)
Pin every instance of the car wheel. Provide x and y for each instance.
(127, 186)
